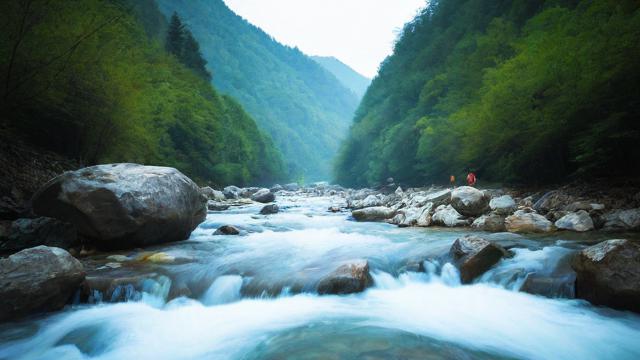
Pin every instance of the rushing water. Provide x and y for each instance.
(252, 298)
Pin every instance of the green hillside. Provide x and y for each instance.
(519, 90)
(305, 109)
(350, 78)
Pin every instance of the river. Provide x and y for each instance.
(252, 297)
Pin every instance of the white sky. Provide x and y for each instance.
(360, 33)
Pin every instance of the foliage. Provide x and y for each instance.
(526, 91)
(181, 44)
(83, 77)
(305, 109)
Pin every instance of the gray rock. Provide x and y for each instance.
(528, 222)
(577, 221)
(292, 187)
(370, 201)
(227, 230)
(36, 280)
(249, 191)
(27, 233)
(346, 279)
(232, 192)
(620, 220)
(124, 205)
(608, 273)
(263, 196)
(413, 216)
(212, 194)
(448, 216)
(473, 256)
(550, 286)
(503, 205)
(277, 187)
(553, 200)
(269, 209)
(217, 206)
(469, 201)
(492, 222)
(376, 213)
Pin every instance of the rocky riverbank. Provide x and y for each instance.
(125, 222)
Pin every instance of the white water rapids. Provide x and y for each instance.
(406, 314)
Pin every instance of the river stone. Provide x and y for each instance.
(562, 286)
(346, 279)
(473, 256)
(578, 221)
(124, 205)
(370, 201)
(263, 196)
(232, 192)
(227, 230)
(36, 280)
(608, 273)
(217, 206)
(26, 233)
(553, 200)
(492, 222)
(448, 216)
(212, 194)
(469, 201)
(376, 213)
(528, 222)
(277, 187)
(269, 209)
(622, 220)
(503, 205)
(413, 216)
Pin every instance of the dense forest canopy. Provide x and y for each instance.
(91, 79)
(526, 91)
(305, 109)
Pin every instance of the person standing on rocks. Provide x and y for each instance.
(471, 179)
(452, 180)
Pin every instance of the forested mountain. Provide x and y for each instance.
(520, 90)
(350, 78)
(91, 79)
(305, 109)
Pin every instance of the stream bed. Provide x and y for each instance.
(253, 296)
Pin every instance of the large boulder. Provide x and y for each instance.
(473, 256)
(576, 221)
(413, 216)
(621, 220)
(372, 200)
(448, 216)
(608, 273)
(376, 213)
(346, 279)
(232, 192)
(469, 201)
(25, 233)
(124, 205)
(36, 280)
(553, 200)
(263, 196)
(524, 221)
(503, 205)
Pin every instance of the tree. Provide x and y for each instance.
(175, 36)
(192, 57)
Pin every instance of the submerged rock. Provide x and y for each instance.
(528, 222)
(263, 196)
(124, 205)
(227, 230)
(448, 216)
(25, 233)
(473, 256)
(217, 206)
(608, 273)
(577, 221)
(269, 209)
(36, 280)
(376, 213)
(469, 201)
(550, 286)
(346, 279)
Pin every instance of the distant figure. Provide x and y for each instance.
(471, 179)
(452, 180)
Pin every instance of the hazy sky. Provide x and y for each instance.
(358, 32)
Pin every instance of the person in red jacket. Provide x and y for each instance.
(471, 179)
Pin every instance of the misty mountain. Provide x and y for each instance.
(305, 109)
(350, 78)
